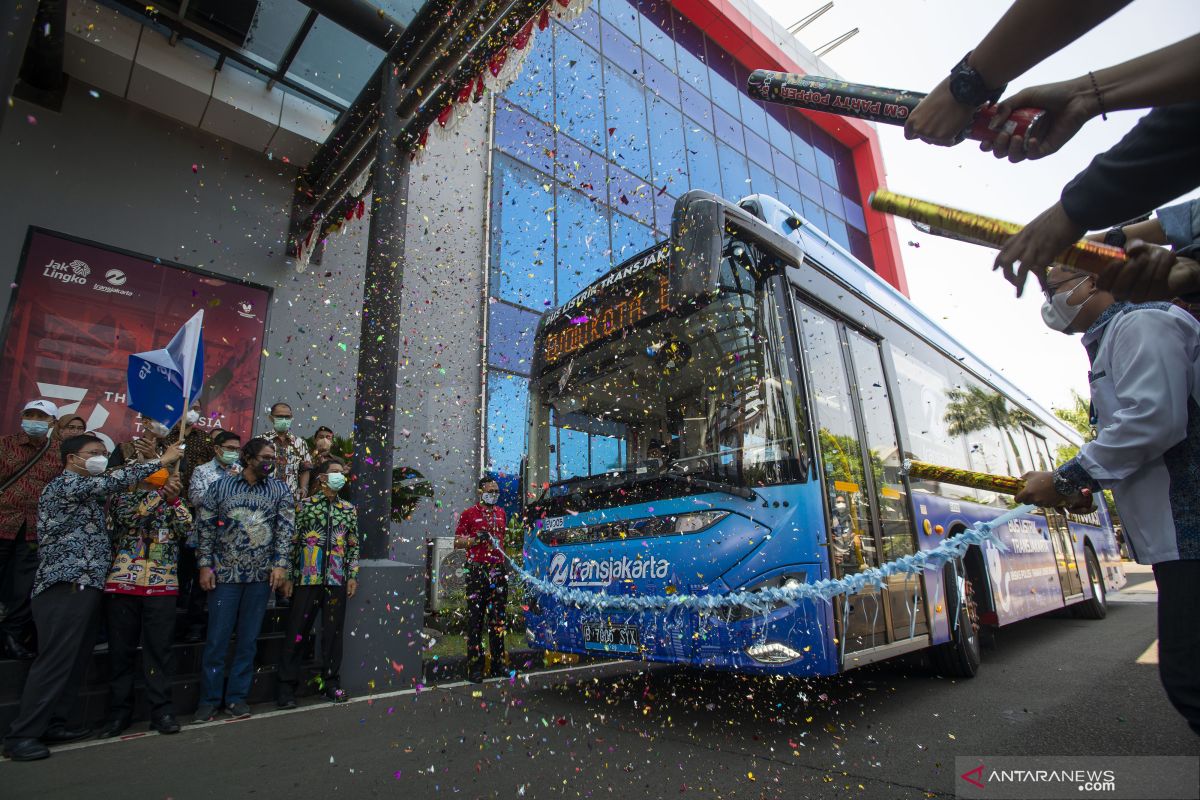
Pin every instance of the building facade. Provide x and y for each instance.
(168, 154)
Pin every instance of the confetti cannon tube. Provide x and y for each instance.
(1084, 255)
(874, 103)
(983, 481)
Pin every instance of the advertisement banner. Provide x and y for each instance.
(79, 310)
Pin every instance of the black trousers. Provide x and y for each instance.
(1179, 635)
(191, 596)
(67, 617)
(150, 622)
(307, 603)
(487, 598)
(18, 564)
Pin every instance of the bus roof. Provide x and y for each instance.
(861, 280)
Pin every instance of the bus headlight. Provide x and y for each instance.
(772, 653)
(695, 521)
(789, 580)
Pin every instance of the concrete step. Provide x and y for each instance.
(187, 657)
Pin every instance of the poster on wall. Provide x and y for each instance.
(79, 310)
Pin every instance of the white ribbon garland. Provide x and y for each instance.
(763, 601)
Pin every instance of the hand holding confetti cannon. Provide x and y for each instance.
(1084, 255)
(983, 481)
(877, 104)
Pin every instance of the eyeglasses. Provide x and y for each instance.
(266, 459)
(75, 428)
(1052, 288)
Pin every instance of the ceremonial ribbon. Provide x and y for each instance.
(763, 601)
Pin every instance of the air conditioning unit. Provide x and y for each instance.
(447, 571)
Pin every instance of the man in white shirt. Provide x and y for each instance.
(1145, 382)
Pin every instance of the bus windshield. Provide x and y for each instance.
(695, 397)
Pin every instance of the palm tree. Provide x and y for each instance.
(976, 409)
(1079, 417)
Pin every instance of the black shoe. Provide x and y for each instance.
(14, 649)
(499, 673)
(61, 734)
(114, 727)
(25, 750)
(475, 677)
(204, 713)
(285, 697)
(336, 695)
(238, 711)
(195, 633)
(165, 724)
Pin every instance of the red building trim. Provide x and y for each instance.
(753, 49)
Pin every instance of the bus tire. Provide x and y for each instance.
(961, 656)
(1095, 607)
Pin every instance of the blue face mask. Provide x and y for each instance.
(35, 428)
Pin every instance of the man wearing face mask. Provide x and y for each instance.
(28, 461)
(323, 576)
(227, 449)
(291, 450)
(74, 557)
(246, 524)
(487, 582)
(1145, 382)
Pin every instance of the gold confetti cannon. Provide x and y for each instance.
(983, 481)
(1084, 255)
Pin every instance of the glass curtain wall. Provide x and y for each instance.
(613, 117)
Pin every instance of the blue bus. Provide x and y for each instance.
(731, 409)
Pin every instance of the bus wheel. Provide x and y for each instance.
(1095, 607)
(960, 657)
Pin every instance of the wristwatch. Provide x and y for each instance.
(967, 85)
(1116, 237)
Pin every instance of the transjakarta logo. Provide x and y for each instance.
(593, 572)
(115, 277)
(75, 272)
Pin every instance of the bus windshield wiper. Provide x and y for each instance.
(713, 486)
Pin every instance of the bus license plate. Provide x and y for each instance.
(611, 638)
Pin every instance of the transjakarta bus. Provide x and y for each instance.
(731, 410)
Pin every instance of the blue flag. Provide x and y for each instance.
(160, 379)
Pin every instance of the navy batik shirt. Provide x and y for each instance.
(245, 529)
(74, 545)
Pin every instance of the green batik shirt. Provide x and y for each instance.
(325, 545)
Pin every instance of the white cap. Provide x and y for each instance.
(42, 405)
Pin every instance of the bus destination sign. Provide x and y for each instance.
(619, 300)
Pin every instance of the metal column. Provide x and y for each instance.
(379, 341)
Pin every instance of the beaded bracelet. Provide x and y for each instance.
(1099, 97)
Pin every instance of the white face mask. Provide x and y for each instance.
(96, 465)
(490, 498)
(193, 417)
(1057, 313)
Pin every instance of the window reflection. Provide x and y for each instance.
(508, 397)
(522, 235)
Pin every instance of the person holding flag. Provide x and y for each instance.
(74, 558)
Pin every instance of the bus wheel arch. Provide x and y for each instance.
(961, 656)
(974, 565)
(1096, 606)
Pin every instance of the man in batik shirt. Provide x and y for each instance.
(74, 557)
(323, 576)
(291, 451)
(245, 529)
(150, 523)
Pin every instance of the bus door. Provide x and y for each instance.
(866, 508)
(1060, 532)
